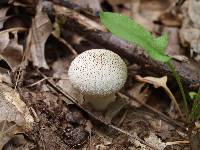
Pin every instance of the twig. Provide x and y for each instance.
(66, 44)
(90, 114)
(37, 82)
(165, 117)
(177, 142)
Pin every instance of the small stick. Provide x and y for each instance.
(165, 117)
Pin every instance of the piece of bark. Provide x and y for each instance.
(93, 31)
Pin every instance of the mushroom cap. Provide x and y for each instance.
(98, 72)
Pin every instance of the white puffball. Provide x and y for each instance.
(98, 72)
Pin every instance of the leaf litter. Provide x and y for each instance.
(57, 115)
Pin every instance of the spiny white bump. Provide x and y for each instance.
(98, 72)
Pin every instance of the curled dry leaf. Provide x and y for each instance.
(94, 5)
(141, 92)
(59, 68)
(13, 109)
(38, 34)
(3, 16)
(14, 115)
(190, 31)
(10, 50)
(151, 139)
(161, 82)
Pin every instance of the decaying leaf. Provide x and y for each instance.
(7, 131)
(10, 50)
(14, 114)
(38, 34)
(190, 31)
(13, 53)
(161, 82)
(59, 68)
(13, 109)
(3, 16)
(151, 139)
(94, 5)
(5, 76)
(155, 141)
(4, 40)
(140, 92)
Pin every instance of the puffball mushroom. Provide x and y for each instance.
(98, 74)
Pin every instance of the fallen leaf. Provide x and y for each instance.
(155, 141)
(13, 53)
(3, 16)
(60, 71)
(4, 40)
(114, 109)
(14, 115)
(141, 92)
(93, 5)
(5, 76)
(13, 109)
(190, 30)
(10, 50)
(38, 34)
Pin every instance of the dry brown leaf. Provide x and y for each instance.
(114, 109)
(60, 71)
(117, 2)
(38, 34)
(10, 50)
(3, 16)
(94, 5)
(190, 31)
(4, 40)
(5, 76)
(145, 12)
(161, 82)
(14, 114)
(7, 131)
(139, 93)
(13, 109)
(13, 53)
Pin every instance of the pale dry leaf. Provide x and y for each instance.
(117, 2)
(14, 115)
(13, 53)
(13, 109)
(94, 5)
(4, 40)
(173, 48)
(155, 141)
(5, 76)
(152, 9)
(190, 31)
(3, 16)
(60, 68)
(37, 37)
(114, 109)
(7, 132)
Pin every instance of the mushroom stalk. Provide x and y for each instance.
(100, 103)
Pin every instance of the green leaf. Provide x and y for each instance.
(127, 29)
(161, 43)
(192, 95)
